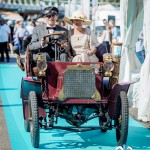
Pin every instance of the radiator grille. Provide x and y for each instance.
(79, 84)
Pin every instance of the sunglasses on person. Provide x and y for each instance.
(49, 16)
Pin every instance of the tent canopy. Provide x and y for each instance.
(132, 14)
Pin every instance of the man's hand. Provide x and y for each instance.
(43, 42)
(64, 44)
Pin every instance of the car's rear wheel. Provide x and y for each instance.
(34, 123)
(27, 125)
(122, 117)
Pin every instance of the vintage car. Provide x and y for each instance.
(74, 91)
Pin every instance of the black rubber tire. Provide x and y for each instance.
(34, 123)
(27, 125)
(122, 118)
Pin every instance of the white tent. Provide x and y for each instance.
(144, 97)
(108, 7)
(133, 12)
(103, 11)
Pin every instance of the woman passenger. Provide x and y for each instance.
(82, 40)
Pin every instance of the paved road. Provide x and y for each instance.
(4, 137)
(10, 78)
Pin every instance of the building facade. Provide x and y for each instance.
(66, 7)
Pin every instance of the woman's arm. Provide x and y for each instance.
(93, 43)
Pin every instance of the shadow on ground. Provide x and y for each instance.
(138, 138)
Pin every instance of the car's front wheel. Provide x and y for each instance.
(122, 117)
(34, 123)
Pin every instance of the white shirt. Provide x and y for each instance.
(107, 36)
(29, 28)
(51, 30)
(21, 32)
(4, 33)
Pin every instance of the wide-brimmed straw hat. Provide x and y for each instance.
(77, 15)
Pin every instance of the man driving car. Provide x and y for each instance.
(44, 44)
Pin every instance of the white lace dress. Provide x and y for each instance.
(81, 43)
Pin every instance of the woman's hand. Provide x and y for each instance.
(89, 52)
(70, 58)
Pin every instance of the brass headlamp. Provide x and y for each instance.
(108, 65)
(41, 64)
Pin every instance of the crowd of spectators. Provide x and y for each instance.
(15, 33)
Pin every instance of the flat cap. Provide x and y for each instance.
(50, 11)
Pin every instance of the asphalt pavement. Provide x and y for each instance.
(4, 137)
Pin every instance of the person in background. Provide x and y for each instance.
(11, 25)
(140, 50)
(114, 31)
(106, 38)
(15, 38)
(4, 39)
(33, 22)
(105, 22)
(82, 40)
(21, 33)
(29, 27)
(27, 39)
(40, 22)
(38, 41)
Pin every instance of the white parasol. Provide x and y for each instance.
(11, 16)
